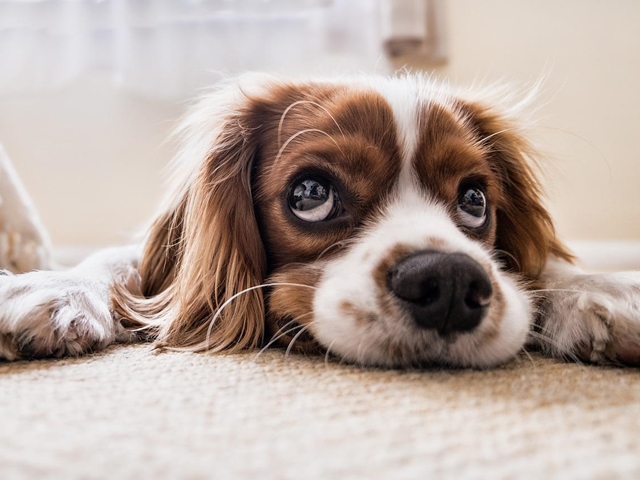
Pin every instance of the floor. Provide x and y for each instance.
(133, 413)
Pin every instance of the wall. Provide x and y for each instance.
(92, 155)
(590, 110)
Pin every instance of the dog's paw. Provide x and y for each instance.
(593, 317)
(45, 314)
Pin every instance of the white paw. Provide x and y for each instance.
(594, 317)
(46, 314)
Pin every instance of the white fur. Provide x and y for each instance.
(595, 314)
(59, 313)
(414, 220)
(405, 101)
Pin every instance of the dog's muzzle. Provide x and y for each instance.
(448, 292)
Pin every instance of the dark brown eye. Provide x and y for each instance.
(472, 206)
(313, 200)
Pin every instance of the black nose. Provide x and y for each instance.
(449, 292)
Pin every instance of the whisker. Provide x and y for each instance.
(306, 327)
(339, 243)
(326, 355)
(286, 332)
(524, 349)
(580, 137)
(558, 347)
(279, 334)
(542, 336)
(359, 352)
(300, 102)
(542, 290)
(295, 135)
(306, 265)
(242, 292)
(495, 134)
(276, 336)
(512, 257)
(543, 328)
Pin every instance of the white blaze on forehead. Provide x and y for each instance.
(403, 96)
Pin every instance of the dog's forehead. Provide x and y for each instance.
(349, 132)
(404, 127)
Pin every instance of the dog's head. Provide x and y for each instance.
(393, 222)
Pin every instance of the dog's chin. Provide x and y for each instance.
(422, 349)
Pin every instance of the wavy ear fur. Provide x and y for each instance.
(525, 231)
(204, 247)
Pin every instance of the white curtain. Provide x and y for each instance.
(168, 48)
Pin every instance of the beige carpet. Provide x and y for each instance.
(131, 413)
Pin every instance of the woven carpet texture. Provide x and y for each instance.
(132, 413)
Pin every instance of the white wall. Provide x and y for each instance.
(91, 155)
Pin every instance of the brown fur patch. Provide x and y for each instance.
(290, 305)
(449, 156)
(362, 318)
(351, 141)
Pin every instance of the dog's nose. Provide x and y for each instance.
(448, 292)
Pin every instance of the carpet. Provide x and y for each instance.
(132, 413)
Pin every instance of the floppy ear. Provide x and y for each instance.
(204, 248)
(525, 231)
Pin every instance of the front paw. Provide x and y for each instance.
(44, 314)
(595, 318)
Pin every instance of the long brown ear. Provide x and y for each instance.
(526, 235)
(204, 248)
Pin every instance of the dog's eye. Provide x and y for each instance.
(313, 200)
(472, 207)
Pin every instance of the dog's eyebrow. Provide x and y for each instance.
(296, 135)
(352, 158)
(448, 151)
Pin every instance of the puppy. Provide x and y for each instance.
(386, 221)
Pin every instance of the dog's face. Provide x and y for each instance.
(394, 222)
(383, 201)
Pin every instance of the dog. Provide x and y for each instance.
(392, 222)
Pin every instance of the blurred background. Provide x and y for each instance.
(90, 89)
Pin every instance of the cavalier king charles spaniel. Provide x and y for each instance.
(391, 222)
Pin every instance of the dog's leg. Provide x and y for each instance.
(24, 243)
(591, 317)
(60, 313)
